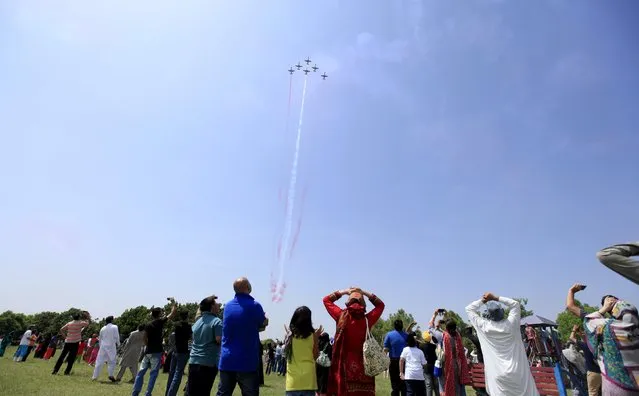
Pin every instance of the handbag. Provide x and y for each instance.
(323, 360)
(437, 372)
(441, 356)
(375, 360)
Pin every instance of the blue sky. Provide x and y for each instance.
(456, 148)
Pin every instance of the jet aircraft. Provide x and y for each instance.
(298, 66)
(324, 76)
(291, 70)
(308, 61)
(315, 68)
(306, 71)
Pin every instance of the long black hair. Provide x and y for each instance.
(301, 326)
(451, 328)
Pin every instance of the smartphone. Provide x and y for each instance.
(583, 287)
(441, 310)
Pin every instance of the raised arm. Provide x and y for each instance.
(472, 310)
(515, 308)
(173, 312)
(617, 258)
(571, 305)
(329, 303)
(376, 313)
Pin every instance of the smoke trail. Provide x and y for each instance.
(280, 194)
(290, 206)
(299, 225)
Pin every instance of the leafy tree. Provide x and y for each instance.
(44, 322)
(566, 320)
(93, 328)
(524, 311)
(383, 326)
(11, 321)
(191, 308)
(131, 319)
(64, 318)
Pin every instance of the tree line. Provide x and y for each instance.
(49, 323)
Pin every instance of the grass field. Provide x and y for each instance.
(34, 378)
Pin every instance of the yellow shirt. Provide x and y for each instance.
(300, 370)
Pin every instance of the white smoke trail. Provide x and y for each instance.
(290, 202)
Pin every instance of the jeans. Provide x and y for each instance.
(152, 361)
(269, 366)
(432, 385)
(276, 365)
(249, 383)
(26, 355)
(397, 385)
(459, 388)
(415, 387)
(200, 380)
(283, 363)
(71, 349)
(178, 362)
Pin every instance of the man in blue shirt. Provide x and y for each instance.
(394, 344)
(244, 318)
(205, 348)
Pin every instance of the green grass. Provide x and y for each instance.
(34, 378)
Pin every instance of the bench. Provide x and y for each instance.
(544, 379)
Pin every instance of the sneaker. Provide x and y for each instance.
(112, 379)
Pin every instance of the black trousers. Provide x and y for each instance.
(200, 380)
(415, 388)
(397, 385)
(70, 349)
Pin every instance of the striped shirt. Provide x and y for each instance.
(73, 330)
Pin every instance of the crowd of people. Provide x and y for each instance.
(433, 361)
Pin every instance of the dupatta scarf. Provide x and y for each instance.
(614, 342)
(450, 373)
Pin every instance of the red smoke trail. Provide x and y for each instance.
(299, 224)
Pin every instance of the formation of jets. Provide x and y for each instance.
(306, 70)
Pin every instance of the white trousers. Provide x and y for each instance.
(106, 355)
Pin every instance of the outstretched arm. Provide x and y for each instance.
(617, 258)
(571, 305)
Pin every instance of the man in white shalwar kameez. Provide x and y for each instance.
(506, 366)
(109, 343)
